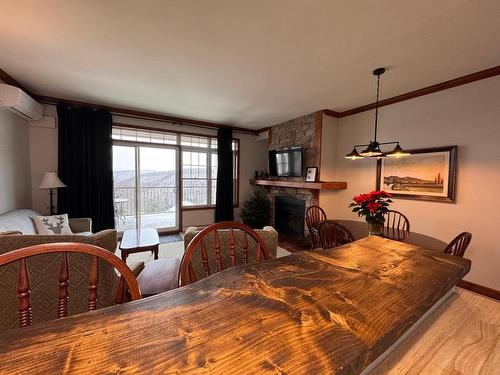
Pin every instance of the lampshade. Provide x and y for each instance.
(373, 149)
(397, 152)
(353, 155)
(51, 181)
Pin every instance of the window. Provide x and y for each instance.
(213, 177)
(194, 141)
(199, 171)
(198, 162)
(145, 136)
(236, 171)
(194, 178)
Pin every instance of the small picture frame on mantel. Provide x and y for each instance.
(311, 173)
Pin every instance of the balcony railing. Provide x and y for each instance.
(154, 200)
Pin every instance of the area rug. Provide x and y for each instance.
(170, 238)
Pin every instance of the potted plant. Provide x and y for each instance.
(256, 210)
(373, 206)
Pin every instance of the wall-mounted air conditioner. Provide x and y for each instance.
(19, 102)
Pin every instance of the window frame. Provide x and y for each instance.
(209, 150)
(207, 178)
(213, 151)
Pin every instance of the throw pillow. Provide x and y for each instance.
(56, 224)
(11, 233)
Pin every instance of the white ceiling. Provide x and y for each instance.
(247, 63)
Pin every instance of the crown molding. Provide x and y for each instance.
(331, 113)
(5, 77)
(145, 115)
(463, 80)
(263, 129)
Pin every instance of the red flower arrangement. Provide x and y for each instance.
(372, 205)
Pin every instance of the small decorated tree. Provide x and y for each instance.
(256, 210)
(373, 206)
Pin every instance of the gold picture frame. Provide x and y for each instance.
(428, 174)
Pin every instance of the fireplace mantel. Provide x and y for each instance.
(329, 185)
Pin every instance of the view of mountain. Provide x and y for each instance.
(405, 180)
(150, 178)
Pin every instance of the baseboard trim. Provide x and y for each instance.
(484, 290)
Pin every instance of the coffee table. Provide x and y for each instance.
(139, 240)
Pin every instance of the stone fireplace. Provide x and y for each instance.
(298, 132)
(305, 132)
(286, 194)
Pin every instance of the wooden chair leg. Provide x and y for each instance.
(314, 241)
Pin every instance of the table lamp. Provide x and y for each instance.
(51, 181)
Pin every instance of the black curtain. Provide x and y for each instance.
(224, 195)
(85, 165)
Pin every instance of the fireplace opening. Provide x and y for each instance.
(289, 216)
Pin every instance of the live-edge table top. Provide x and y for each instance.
(313, 312)
(359, 229)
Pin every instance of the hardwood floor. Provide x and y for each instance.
(461, 337)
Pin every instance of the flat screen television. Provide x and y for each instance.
(285, 162)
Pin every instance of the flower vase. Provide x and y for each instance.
(375, 229)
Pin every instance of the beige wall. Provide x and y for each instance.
(253, 156)
(468, 116)
(14, 162)
(328, 161)
(43, 155)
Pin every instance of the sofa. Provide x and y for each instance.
(268, 234)
(17, 230)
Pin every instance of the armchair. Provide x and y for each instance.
(43, 268)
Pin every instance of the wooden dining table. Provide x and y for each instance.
(329, 311)
(359, 229)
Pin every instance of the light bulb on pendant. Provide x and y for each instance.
(373, 149)
(398, 152)
(353, 155)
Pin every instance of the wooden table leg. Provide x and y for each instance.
(156, 251)
(124, 256)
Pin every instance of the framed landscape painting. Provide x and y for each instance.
(426, 174)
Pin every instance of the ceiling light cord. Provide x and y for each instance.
(373, 148)
(376, 107)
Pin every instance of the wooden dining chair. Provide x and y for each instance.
(333, 234)
(396, 226)
(23, 280)
(220, 246)
(459, 244)
(314, 216)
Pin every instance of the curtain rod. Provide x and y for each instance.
(181, 123)
(147, 116)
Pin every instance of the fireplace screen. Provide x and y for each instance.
(289, 216)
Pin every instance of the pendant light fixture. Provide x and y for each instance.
(372, 150)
